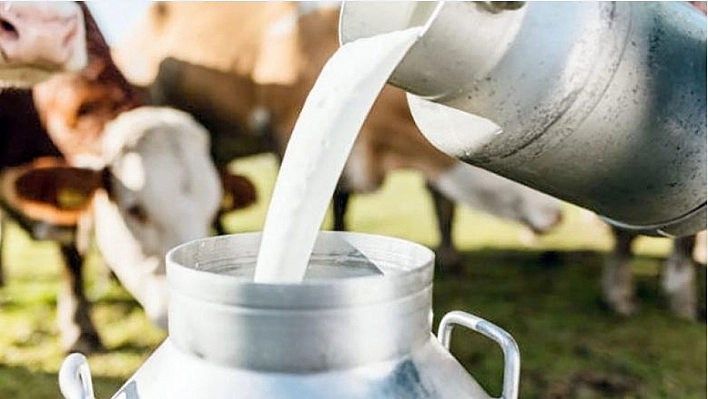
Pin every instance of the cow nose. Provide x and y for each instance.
(549, 222)
(8, 29)
(30, 35)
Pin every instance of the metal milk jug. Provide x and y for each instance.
(602, 104)
(358, 326)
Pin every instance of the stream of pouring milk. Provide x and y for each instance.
(319, 146)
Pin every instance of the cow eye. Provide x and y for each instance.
(138, 212)
(86, 108)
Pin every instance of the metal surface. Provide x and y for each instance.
(75, 378)
(331, 319)
(429, 372)
(512, 357)
(602, 104)
(343, 333)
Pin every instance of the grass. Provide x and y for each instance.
(545, 295)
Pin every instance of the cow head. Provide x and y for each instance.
(38, 39)
(164, 185)
(74, 108)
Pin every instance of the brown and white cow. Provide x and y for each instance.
(38, 39)
(154, 182)
(23, 139)
(162, 188)
(248, 90)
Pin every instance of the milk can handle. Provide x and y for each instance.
(75, 378)
(510, 387)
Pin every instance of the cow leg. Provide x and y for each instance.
(78, 333)
(678, 278)
(340, 202)
(617, 284)
(447, 257)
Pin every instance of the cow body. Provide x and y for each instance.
(38, 39)
(250, 101)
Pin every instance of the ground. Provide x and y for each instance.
(546, 295)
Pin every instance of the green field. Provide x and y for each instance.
(546, 295)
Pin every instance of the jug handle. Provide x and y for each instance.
(75, 378)
(510, 386)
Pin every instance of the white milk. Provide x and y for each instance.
(318, 149)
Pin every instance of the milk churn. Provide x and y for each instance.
(602, 104)
(358, 326)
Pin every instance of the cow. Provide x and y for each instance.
(249, 91)
(146, 171)
(24, 138)
(38, 39)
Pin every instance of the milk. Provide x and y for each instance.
(319, 146)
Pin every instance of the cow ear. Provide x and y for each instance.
(48, 190)
(278, 60)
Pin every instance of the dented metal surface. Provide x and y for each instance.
(602, 104)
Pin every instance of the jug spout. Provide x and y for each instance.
(602, 104)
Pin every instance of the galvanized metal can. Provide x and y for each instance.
(602, 104)
(358, 326)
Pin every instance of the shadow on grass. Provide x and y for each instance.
(20, 382)
(571, 345)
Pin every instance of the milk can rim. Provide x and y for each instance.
(240, 291)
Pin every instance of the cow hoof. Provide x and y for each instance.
(449, 261)
(86, 344)
(625, 309)
(622, 307)
(683, 308)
